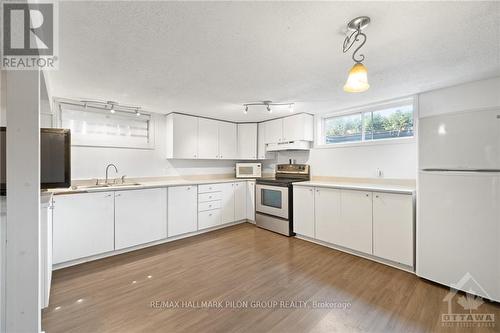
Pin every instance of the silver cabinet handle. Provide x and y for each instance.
(118, 195)
(210, 197)
(367, 195)
(107, 195)
(376, 196)
(210, 214)
(209, 205)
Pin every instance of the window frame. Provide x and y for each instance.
(321, 118)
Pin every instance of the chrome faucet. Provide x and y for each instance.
(107, 169)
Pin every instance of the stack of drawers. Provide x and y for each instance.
(209, 205)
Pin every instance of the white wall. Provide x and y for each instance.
(467, 96)
(394, 160)
(3, 91)
(90, 162)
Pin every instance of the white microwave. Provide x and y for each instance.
(248, 170)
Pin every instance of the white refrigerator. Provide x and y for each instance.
(458, 216)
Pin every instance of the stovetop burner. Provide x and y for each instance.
(287, 174)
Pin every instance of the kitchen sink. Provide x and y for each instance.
(83, 187)
(124, 184)
(86, 187)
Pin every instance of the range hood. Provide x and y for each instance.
(291, 145)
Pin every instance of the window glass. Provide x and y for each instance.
(386, 123)
(343, 129)
(389, 123)
(271, 198)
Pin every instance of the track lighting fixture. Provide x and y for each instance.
(268, 105)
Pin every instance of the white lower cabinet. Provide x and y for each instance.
(355, 227)
(140, 217)
(182, 210)
(240, 201)
(375, 223)
(251, 200)
(303, 211)
(83, 225)
(329, 225)
(209, 218)
(393, 227)
(227, 203)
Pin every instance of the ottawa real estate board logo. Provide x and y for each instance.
(29, 35)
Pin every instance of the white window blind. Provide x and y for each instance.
(96, 127)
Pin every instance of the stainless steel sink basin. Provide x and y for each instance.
(83, 187)
(86, 187)
(124, 184)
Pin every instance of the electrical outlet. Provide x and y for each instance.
(380, 173)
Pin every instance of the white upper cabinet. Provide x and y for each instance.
(182, 136)
(247, 141)
(262, 154)
(274, 131)
(228, 137)
(298, 127)
(208, 138)
(83, 225)
(240, 201)
(355, 229)
(393, 227)
(303, 211)
(140, 217)
(182, 210)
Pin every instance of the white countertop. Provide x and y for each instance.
(151, 184)
(391, 188)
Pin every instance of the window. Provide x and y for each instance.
(94, 127)
(379, 123)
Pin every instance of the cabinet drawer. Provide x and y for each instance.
(211, 196)
(209, 188)
(209, 218)
(202, 206)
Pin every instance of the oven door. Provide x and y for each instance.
(272, 200)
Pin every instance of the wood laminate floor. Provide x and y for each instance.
(247, 278)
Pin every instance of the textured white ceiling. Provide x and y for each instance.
(207, 58)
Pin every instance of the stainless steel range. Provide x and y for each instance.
(274, 198)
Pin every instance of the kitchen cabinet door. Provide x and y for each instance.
(140, 217)
(208, 138)
(83, 225)
(328, 222)
(209, 219)
(261, 143)
(303, 211)
(298, 127)
(240, 201)
(355, 230)
(393, 227)
(182, 210)
(228, 141)
(274, 131)
(247, 141)
(251, 201)
(182, 136)
(227, 204)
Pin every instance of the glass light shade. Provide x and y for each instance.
(357, 81)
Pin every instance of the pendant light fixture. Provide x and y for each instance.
(357, 81)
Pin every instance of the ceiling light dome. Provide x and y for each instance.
(357, 81)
